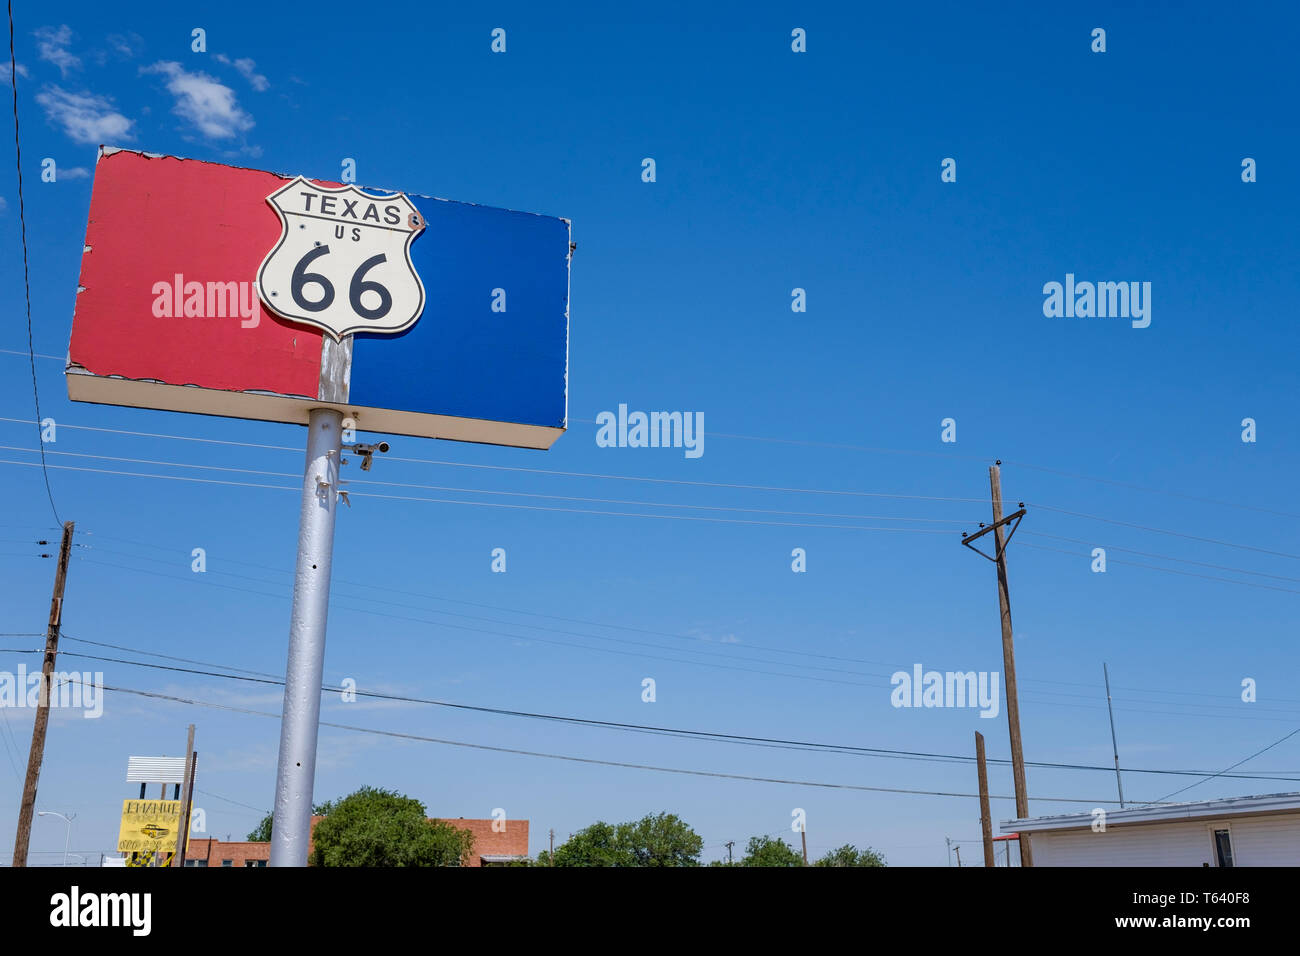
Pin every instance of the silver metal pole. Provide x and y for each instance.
(1114, 746)
(296, 774)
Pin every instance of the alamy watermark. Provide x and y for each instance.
(653, 430)
(1102, 300)
(131, 911)
(70, 690)
(946, 689)
(213, 300)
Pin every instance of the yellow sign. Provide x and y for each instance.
(149, 825)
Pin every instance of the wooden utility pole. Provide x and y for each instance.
(37, 754)
(959, 857)
(550, 860)
(999, 557)
(729, 845)
(187, 794)
(986, 820)
(1009, 662)
(803, 835)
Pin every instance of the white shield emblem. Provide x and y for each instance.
(343, 262)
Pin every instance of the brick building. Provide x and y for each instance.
(211, 852)
(495, 849)
(490, 847)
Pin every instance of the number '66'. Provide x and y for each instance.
(359, 285)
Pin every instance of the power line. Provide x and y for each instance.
(217, 796)
(1225, 770)
(1153, 567)
(135, 434)
(729, 485)
(835, 445)
(1154, 491)
(588, 760)
(10, 744)
(517, 494)
(25, 353)
(989, 458)
(1176, 534)
(495, 504)
(732, 655)
(1182, 715)
(370, 611)
(492, 607)
(641, 630)
(1163, 557)
(738, 521)
(954, 522)
(681, 637)
(27, 288)
(643, 728)
(168, 657)
(537, 471)
(786, 441)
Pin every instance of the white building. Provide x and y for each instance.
(1239, 831)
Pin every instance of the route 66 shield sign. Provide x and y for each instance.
(343, 260)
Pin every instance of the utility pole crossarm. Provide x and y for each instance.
(1013, 520)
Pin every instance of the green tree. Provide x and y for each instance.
(262, 834)
(596, 845)
(374, 827)
(659, 839)
(765, 851)
(849, 855)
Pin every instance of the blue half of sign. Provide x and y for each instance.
(463, 358)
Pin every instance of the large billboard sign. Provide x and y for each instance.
(235, 292)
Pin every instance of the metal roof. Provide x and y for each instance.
(1162, 813)
(155, 769)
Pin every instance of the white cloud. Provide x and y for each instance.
(126, 44)
(209, 105)
(4, 205)
(728, 637)
(249, 70)
(5, 73)
(76, 172)
(85, 117)
(52, 45)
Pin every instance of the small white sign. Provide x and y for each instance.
(343, 260)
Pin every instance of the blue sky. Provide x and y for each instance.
(775, 170)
